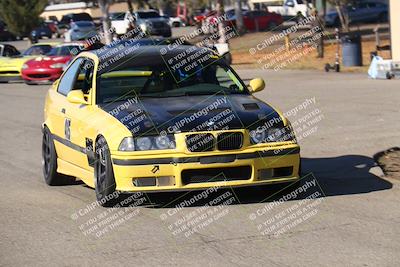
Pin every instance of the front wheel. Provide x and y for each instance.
(104, 174)
(49, 161)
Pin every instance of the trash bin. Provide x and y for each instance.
(351, 50)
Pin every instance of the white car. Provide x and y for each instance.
(288, 9)
(120, 21)
(176, 22)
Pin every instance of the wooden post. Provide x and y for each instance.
(287, 42)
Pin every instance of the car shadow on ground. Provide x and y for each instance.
(343, 175)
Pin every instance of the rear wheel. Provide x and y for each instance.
(104, 175)
(49, 161)
(272, 25)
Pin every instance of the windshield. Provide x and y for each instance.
(160, 81)
(148, 15)
(37, 50)
(83, 24)
(117, 16)
(65, 50)
(82, 17)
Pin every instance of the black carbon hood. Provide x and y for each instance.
(148, 116)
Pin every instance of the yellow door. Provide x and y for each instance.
(77, 119)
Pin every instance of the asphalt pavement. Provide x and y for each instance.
(344, 120)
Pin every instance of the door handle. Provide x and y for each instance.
(63, 110)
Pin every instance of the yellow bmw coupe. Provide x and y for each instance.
(161, 118)
(10, 67)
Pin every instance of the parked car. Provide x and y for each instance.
(288, 9)
(49, 67)
(80, 30)
(127, 127)
(231, 13)
(201, 16)
(262, 20)
(7, 50)
(151, 23)
(209, 23)
(120, 21)
(64, 24)
(10, 68)
(361, 12)
(43, 30)
(176, 22)
(6, 35)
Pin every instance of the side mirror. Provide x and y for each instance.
(256, 85)
(76, 97)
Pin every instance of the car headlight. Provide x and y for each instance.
(57, 66)
(143, 26)
(147, 143)
(273, 134)
(143, 143)
(127, 144)
(258, 136)
(25, 66)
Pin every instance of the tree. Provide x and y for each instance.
(340, 6)
(239, 16)
(130, 6)
(22, 16)
(104, 6)
(221, 24)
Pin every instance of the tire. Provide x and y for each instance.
(49, 161)
(29, 82)
(383, 17)
(272, 25)
(337, 67)
(104, 174)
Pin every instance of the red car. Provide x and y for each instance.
(48, 68)
(260, 19)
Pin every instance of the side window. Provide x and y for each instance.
(289, 3)
(86, 71)
(85, 77)
(8, 51)
(14, 51)
(68, 80)
(226, 78)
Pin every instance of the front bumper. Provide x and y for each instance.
(183, 172)
(10, 74)
(10, 78)
(41, 74)
(159, 31)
